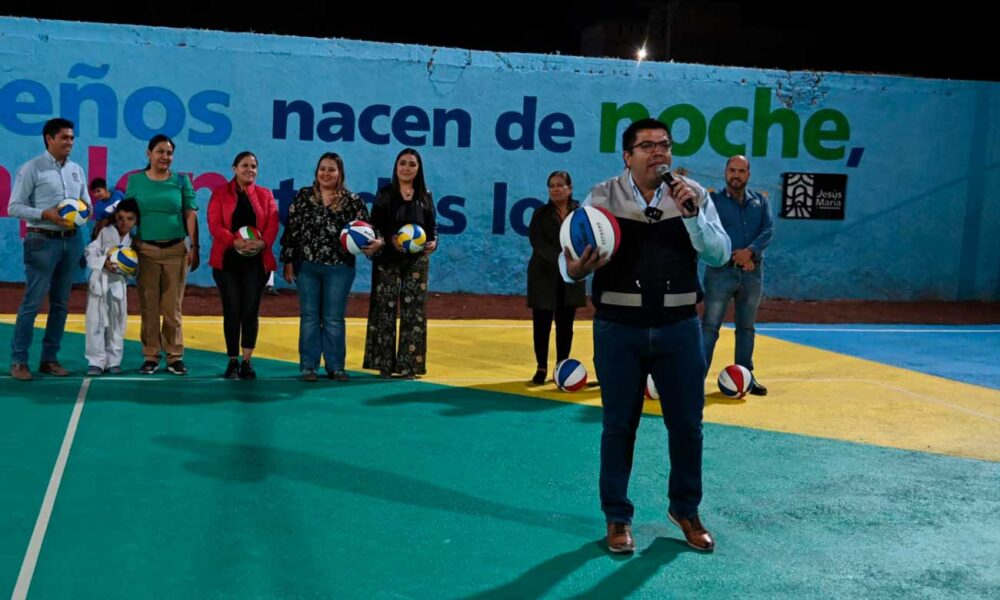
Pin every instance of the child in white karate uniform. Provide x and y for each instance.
(107, 305)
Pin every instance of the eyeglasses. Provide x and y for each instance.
(647, 147)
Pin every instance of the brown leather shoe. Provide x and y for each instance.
(21, 372)
(53, 368)
(620, 540)
(694, 533)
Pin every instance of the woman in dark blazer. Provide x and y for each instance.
(549, 296)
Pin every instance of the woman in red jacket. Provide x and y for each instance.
(240, 266)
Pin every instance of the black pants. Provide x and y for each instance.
(240, 287)
(542, 321)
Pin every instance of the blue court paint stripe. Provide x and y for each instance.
(965, 353)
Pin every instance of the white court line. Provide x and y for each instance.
(38, 535)
(930, 399)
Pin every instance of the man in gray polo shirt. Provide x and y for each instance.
(52, 247)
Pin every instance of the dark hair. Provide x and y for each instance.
(128, 205)
(98, 182)
(156, 140)
(242, 155)
(563, 174)
(52, 128)
(419, 186)
(340, 183)
(632, 131)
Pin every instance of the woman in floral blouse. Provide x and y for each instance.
(323, 271)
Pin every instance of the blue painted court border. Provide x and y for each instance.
(965, 353)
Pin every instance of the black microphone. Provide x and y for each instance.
(663, 172)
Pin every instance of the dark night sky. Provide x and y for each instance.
(948, 41)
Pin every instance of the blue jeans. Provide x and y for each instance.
(49, 267)
(672, 354)
(723, 284)
(323, 291)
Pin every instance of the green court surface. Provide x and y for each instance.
(197, 487)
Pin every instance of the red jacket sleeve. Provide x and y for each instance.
(216, 226)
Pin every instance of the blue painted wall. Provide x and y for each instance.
(923, 214)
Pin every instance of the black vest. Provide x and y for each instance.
(652, 280)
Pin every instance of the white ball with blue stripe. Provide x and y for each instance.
(75, 211)
(125, 258)
(590, 226)
(356, 236)
(410, 239)
(570, 375)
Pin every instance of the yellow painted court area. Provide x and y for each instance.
(812, 392)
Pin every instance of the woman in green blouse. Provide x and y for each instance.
(168, 215)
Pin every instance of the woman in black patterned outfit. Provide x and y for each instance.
(321, 269)
(399, 280)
